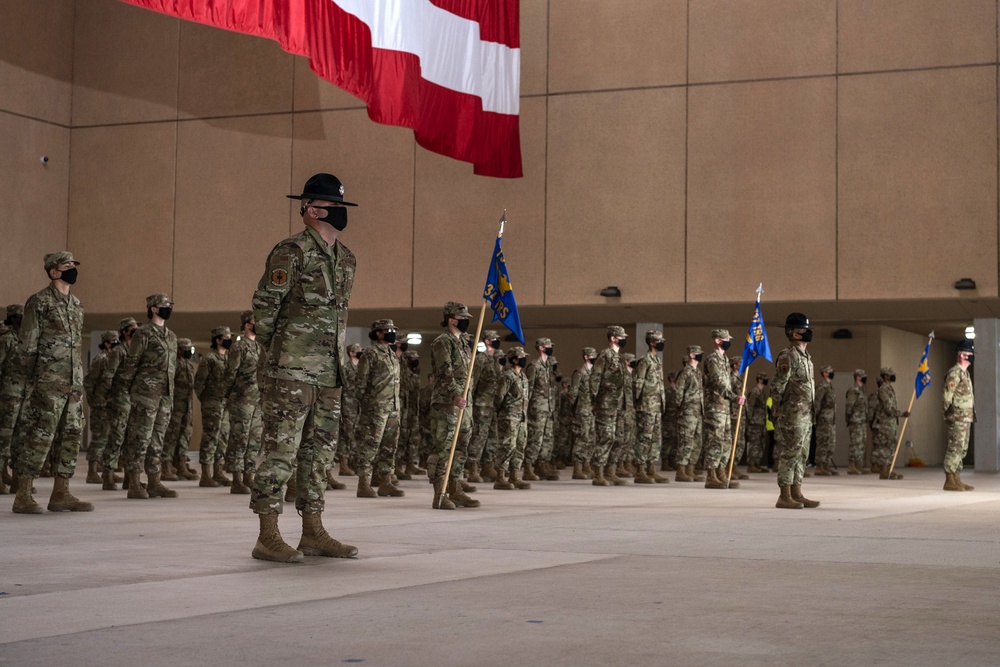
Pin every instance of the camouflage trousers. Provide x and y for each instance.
(741, 440)
(668, 440)
(718, 439)
(348, 424)
(444, 421)
(583, 437)
(858, 437)
(245, 428)
(649, 436)
(958, 445)
(539, 436)
(178, 437)
(826, 442)
(301, 427)
(605, 431)
(98, 432)
(484, 429)
(214, 432)
(11, 395)
(562, 438)
(625, 438)
(53, 422)
(408, 447)
(118, 412)
(513, 437)
(147, 426)
(883, 443)
(756, 439)
(375, 440)
(792, 439)
(689, 439)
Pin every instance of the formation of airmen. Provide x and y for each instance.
(285, 403)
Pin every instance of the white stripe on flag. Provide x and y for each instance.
(450, 51)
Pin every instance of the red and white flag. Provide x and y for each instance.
(448, 69)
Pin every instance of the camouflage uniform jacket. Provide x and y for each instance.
(793, 391)
(886, 408)
(377, 387)
(51, 340)
(210, 381)
(872, 404)
(348, 398)
(734, 408)
(300, 308)
(151, 362)
(241, 372)
(607, 380)
(512, 395)
(486, 373)
(648, 382)
(825, 403)
(855, 406)
(539, 375)
(718, 383)
(409, 400)
(92, 379)
(117, 390)
(183, 383)
(756, 407)
(958, 401)
(450, 359)
(670, 403)
(579, 391)
(10, 355)
(690, 396)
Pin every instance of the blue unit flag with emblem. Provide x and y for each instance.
(756, 343)
(500, 293)
(923, 379)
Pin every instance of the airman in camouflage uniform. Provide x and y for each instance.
(119, 403)
(690, 402)
(826, 434)
(623, 452)
(544, 466)
(408, 449)
(243, 405)
(719, 394)
(349, 411)
(792, 394)
(668, 441)
(886, 425)
(52, 359)
(300, 310)
(450, 359)
(856, 417)
(178, 437)
(149, 375)
(96, 383)
(511, 403)
(562, 435)
(11, 385)
(486, 374)
(540, 407)
(959, 405)
(210, 387)
(756, 420)
(583, 415)
(734, 415)
(377, 431)
(607, 394)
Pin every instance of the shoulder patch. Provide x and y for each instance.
(279, 276)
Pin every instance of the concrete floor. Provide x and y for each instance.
(887, 573)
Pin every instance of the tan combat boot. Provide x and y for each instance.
(387, 488)
(414, 469)
(797, 496)
(501, 484)
(641, 477)
(624, 470)
(852, 468)
(553, 474)
(652, 474)
(682, 475)
(712, 480)
(736, 473)
(219, 475)
(611, 474)
(136, 491)
(950, 484)
(270, 545)
(465, 486)
(317, 542)
(528, 474)
(62, 500)
(694, 475)
(184, 471)
(958, 479)
(578, 472)
(892, 474)
(290, 492)
(821, 471)
(238, 486)
(441, 501)
(24, 503)
(400, 472)
(248, 480)
(720, 474)
(206, 476)
(365, 489)
(458, 496)
(472, 468)
(93, 474)
(488, 472)
(785, 501)
(345, 468)
(516, 481)
(155, 488)
(167, 472)
(332, 483)
(108, 480)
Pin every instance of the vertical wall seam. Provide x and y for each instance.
(545, 174)
(413, 230)
(836, 153)
(69, 142)
(687, 140)
(291, 142)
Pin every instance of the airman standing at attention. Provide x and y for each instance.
(886, 427)
(349, 411)
(583, 415)
(959, 405)
(690, 403)
(719, 394)
(178, 437)
(668, 445)
(377, 432)
(607, 392)
(408, 449)
(210, 388)
(243, 405)
(95, 387)
(11, 387)
(511, 402)
(540, 408)
(650, 398)
(119, 404)
(756, 418)
(856, 416)
(826, 413)
(486, 373)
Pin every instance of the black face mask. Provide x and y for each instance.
(559, 378)
(970, 358)
(864, 380)
(765, 382)
(227, 343)
(394, 347)
(591, 359)
(698, 357)
(389, 337)
(164, 312)
(892, 378)
(725, 345)
(622, 342)
(495, 343)
(659, 346)
(502, 361)
(336, 216)
(69, 276)
(806, 336)
(522, 362)
(831, 376)
(555, 367)
(632, 365)
(187, 354)
(462, 325)
(414, 365)
(114, 344)
(548, 351)
(404, 346)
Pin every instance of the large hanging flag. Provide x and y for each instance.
(923, 379)
(448, 69)
(499, 293)
(756, 343)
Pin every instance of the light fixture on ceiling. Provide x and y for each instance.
(965, 283)
(970, 333)
(611, 291)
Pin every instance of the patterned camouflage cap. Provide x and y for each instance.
(543, 342)
(411, 354)
(109, 336)
(515, 352)
(354, 347)
(654, 334)
(456, 310)
(184, 343)
(383, 325)
(490, 334)
(246, 317)
(158, 299)
(615, 330)
(553, 362)
(860, 373)
(589, 352)
(721, 333)
(887, 370)
(54, 259)
(219, 332)
(627, 356)
(735, 361)
(761, 376)
(826, 369)
(694, 349)
(15, 309)
(126, 323)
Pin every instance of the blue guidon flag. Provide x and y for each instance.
(500, 293)
(923, 379)
(756, 344)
